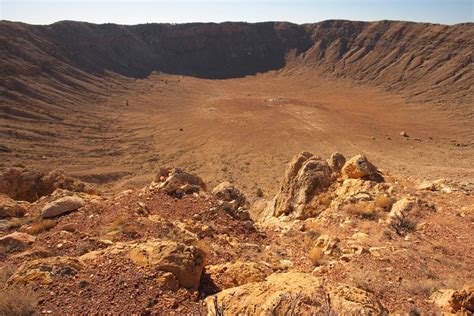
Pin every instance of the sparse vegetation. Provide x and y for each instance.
(15, 300)
(403, 226)
(315, 255)
(362, 209)
(41, 226)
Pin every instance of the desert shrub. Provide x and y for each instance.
(17, 301)
(383, 202)
(41, 226)
(403, 226)
(130, 230)
(315, 255)
(6, 272)
(364, 210)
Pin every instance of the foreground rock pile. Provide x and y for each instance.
(339, 237)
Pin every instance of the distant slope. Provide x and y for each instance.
(427, 61)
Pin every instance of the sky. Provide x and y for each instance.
(181, 11)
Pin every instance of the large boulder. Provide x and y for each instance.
(45, 269)
(23, 184)
(232, 274)
(186, 263)
(61, 206)
(336, 161)
(459, 302)
(15, 241)
(177, 182)
(359, 167)
(294, 293)
(10, 207)
(305, 177)
(232, 200)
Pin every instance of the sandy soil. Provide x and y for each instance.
(243, 130)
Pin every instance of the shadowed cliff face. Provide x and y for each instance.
(215, 51)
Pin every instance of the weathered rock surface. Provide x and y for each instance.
(23, 184)
(359, 167)
(232, 200)
(177, 182)
(336, 161)
(10, 208)
(300, 293)
(16, 241)
(459, 302)
(186, 263)
(61, 206)
(45, 269)
(305, 177)
(232, 274)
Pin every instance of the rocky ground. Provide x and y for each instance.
(339, 237)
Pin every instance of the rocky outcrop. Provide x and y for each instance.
(23, 184)
(232, 200)
(232, 274)
(10, 207)
(16, 241)
(359, 167)
(305, 177)
(186, 263)
(61, 206)
(45, 269)
(311, 185)
(299, 293)
(454, 302)
(177, 182)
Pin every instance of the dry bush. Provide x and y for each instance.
(6, 272)
(403, 226)
(315, 255)
(364, 210)
(41, 226)
(15, 300)
(383, 202)
(124, 225)
(130, 230)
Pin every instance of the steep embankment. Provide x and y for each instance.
(432, 61)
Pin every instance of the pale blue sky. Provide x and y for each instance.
(179, 11)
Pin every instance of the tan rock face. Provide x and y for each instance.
(336, 161)
(459, 302)
(232, 200)
(10, 208)
(359, 167)
(186, 263)
(16, 241)
(22, 184)
(305, 177)
(299, 293)
(45, 269)
(61, 206)
(232, 274)
(177, 182)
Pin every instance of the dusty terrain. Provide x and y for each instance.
(110, 105)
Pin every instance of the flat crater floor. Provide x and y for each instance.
(243, 130)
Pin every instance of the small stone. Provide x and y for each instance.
(404, 134)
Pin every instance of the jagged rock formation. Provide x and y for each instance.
(148, 251)
(27, 185)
